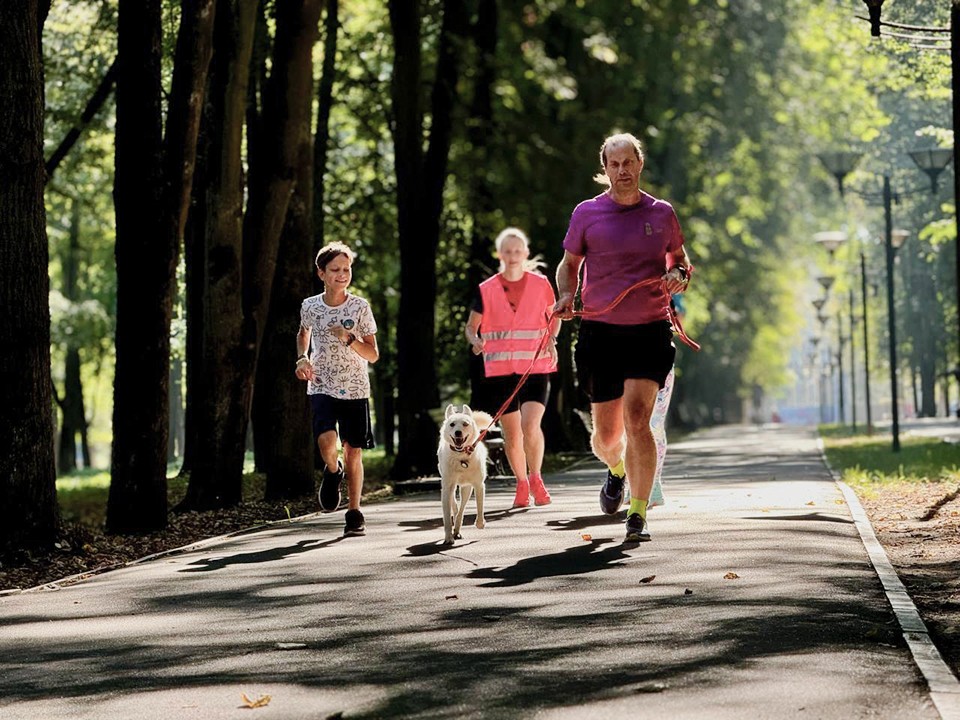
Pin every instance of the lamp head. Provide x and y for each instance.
(818, 303)
(839, 164)
(932, 162)
(826, 281)
(830, 239)
(897, 237)
(874, 7)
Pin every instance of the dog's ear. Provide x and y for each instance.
(449, 411)
(466, 409)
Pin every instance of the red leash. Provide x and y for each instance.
(672, 315)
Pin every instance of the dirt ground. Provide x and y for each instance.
(919, 527)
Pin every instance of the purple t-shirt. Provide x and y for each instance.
(621, 245)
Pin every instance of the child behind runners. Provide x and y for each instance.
(336, 342)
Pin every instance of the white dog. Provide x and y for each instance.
(459, 469)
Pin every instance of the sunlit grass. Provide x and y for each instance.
(868, 462)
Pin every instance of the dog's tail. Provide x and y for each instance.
(482, 419)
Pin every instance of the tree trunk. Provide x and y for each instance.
(214, 472)
(27, 472)
(240, 273)
(175, 443)
(324, 104)
(281, 412)
(153, 181)
(74, 419)
(420, 181)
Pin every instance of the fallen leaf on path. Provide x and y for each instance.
(731, 576)
(811, 503)
(451, 597)
(840, 501)
(587, 536)
(688, 591)
(647, 579)
(261, 701)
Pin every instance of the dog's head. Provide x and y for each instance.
(459, 428)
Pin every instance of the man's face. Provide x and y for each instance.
(623, 168)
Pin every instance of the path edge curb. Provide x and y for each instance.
(943, 684)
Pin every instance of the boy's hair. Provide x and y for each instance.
(329, 251)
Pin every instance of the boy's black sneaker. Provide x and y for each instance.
(611, 494)
(355, 524)
(329, 495)
(636, 529)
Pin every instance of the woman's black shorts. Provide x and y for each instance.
(606, 355)
(492, 392)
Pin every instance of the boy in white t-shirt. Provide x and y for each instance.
(336, 342)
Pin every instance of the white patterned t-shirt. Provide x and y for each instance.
(338, 370)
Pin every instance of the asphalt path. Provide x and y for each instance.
(755, 599)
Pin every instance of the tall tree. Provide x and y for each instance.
(27, 474)
(240, 269)
(282, 431)
(420, 182)
(153, 177)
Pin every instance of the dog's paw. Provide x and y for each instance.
(480, 524)
(447, 541)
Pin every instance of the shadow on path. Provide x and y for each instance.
(576, 560)
(468, 519)
(262, 556)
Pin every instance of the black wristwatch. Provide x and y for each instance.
(351, 340)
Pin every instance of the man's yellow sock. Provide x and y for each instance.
(639, 507)
(619, 470)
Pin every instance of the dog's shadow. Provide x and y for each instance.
(468, 520)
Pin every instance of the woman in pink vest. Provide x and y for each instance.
(507, 322)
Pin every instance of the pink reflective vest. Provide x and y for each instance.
(510, 339)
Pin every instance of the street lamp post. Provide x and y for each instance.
(891, 309)
(853, 367)
(866, 341)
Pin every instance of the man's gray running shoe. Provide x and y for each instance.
(636, 529)
(611, 494)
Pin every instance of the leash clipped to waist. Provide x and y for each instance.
(672, 316)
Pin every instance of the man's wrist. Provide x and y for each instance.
(350, 340)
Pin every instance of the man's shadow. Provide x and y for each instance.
(579, 559)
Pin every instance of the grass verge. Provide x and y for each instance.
(867, 463)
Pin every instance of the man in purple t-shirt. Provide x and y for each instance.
(624, 352)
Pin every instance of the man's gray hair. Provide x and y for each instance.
(615, 142)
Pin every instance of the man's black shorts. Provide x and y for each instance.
(352, 417)
(606, 355)
(492, 392)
